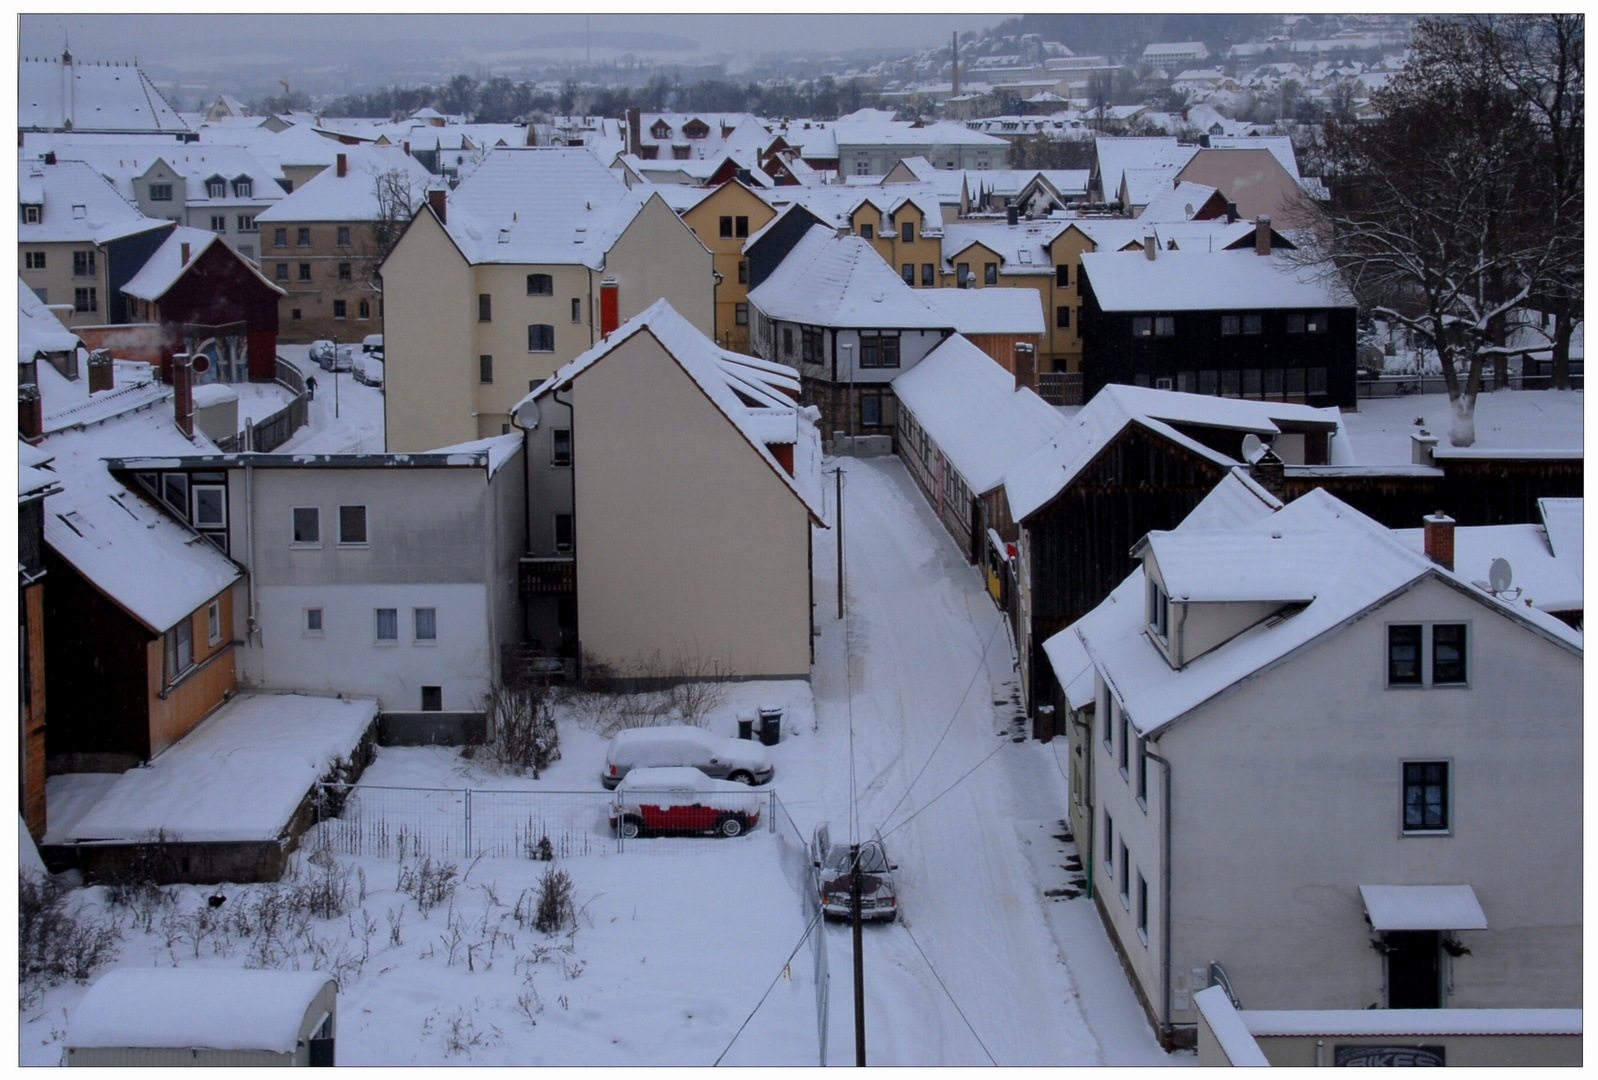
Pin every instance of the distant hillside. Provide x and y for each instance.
(1120, 36)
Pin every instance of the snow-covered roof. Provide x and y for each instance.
(730, 380)
(97, 96)
(300, 144)
(971, 407)
(163, 269)
(840, 281)
(1116, 154)
(1236, 501)
(38, 330)
(78, 204)
(156, 569)
(1023, 248)
(990, 311)
(353, 196)
(32, 474)
(1036, 481)
(120, 161)
(1177, 203)
(868, 128)
(1280, 146)
(836, 204)
(238, 776)
(499, 448)
(184, 1008)
(1143, 186)
(1562, 520)
(1334, 560)
(1540, 577)
(540, 205)
(1208, 281)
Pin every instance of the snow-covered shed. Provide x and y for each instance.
(166, 1017)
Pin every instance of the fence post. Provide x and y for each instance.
(468, 852)
(771, 814)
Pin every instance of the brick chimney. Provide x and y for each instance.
(343, 166)
(183, 392)
(100, 370)
(609, 311)
(1440, 539)
(1026, 366)
(183, 252)
(1262, 235)
(30, 413)
(1269, 473)
(435, 199)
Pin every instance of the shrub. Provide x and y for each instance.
(648, 693)
(55, 944)
(555, 908)
(429, 884)
(522, 725)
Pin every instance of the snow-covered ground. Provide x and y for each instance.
(1505, 420)
(358, 426)
(678, 943)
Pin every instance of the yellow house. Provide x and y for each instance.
(496, 285)
(724, 220)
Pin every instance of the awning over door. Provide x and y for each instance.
(1423, 907)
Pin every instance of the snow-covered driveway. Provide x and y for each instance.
(928, 660)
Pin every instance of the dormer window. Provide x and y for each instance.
(32, 213)
(679, 153)
(1159, 611)
(243, 187)
(661, 130)
(696, 129)
(216, 188)
(160, 192)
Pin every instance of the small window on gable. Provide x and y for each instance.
(1159, 611)
(160, 192)
(216, 188)
(32, 213)
(740, 226)
(907, 232)
(866, 232)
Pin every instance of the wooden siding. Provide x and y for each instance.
(206, 685)
(31, 771)
(1475, 492)
(1001, 347)
(216, 289)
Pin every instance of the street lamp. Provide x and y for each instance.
(848, 362)
(335, 376)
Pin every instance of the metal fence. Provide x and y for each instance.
(1387, 386)
(271, 432)
(796, 854)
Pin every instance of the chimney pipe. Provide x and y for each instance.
(609, 317)
(1439, 533)
(1150, 246)
(1012, 214)
(1231, 212)
(183, 392)
(1269, 473)
(435, 199)
(100, 371)
(954, 90)
(343, 165)
(1262, 235)
(30, 413)
(1026, 367)
(1421, 446)
(183, 251)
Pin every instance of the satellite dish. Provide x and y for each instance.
(1251, 447)
(1499, 575)
(1188, 209)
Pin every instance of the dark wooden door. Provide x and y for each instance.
(1413, 978)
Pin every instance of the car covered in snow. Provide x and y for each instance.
(679, 744)
(331, 358)
(373, 343)
(681, 800)
(832, 867)
(368, 369)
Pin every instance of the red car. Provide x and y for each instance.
(678, 800)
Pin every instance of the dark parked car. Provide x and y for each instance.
(832, 867)
(681, 800)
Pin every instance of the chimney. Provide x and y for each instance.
(435, 199)
(1268, 472)
(1150, 246)
(1231, 212)
(1026, 366)
(1421, 446)
(30, 413)
(100, 370)
(609, 318)
(954, 90)
(1440, 539)
(1262, 235)
(49, 157)
(407, 145)
(183, 392)
(1012, 214)
(343, 166)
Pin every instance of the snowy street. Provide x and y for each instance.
(358, 428)
(931, 675)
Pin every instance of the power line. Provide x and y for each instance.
(948, 995)
(942, 793)
(802, 939)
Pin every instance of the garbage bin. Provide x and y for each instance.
(770, 727)
(746, 725)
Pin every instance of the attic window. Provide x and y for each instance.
(216, 188)
(32, 213)
(1159, 611)
(243, 187)
(661, 130)
(695, 129)
(80, 211)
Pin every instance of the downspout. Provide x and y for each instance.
(571, 422)
(1181, 639)
(1165, 903)
(252, 627)
(590, 270)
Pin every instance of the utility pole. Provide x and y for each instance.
(837, 476)
(859, 959)
(335, 376)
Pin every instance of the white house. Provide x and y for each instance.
(1334, 769)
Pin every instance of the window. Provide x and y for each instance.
(812, 346)
(160, 192)
(726, 226)
(679, 153)
(743, 271)
(1159, 611)
(352, 525)
(787, 341)
(280, 237)
(302, 236)
(577, 309)
(1142, 326)
(1062, 318)
(346, 271)
(387, 624)
(1231, 325)
(485, 308)
(928, 278)
(425, 623)
(308, 525)
(740, 314)
(243, 188)
(1142, 772)
(343, 236)
(870, 410)
(219, 223)
(210, 506)
(1273, 382)
(305, 271)
(85, 300)
(560, 449)
(1295, 324)
(432, 699)
(1295, 383)
(179, 643)
(1315, 323)
(313, 622)
(1317, 380)
(1125, 741)
(1251, 382)
(907, 232)
(541, 338)
(1126, 876)
(1164, 326)
(962, 275)
(990, 273)
(540, 285)
(1253, 324)
(563, 532)
(740, 226)
(1448, 654)
(861, 166)
(879, 350)
(216, 188)
(282, 272)
(364, 309)
(1142, 908)
(1109, 724)
(1109, 845)
(247, 223)
(83, 264)
(1425, 796)
(1231, 384)
(866, 232)
(908, 272)
(1403, 655)
(295, 316)
(34, 260)
(340, 309)
(485, 369)
(213, 622)
(1062, 276)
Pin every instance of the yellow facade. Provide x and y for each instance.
(742, 208)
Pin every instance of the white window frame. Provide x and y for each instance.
(320, 630)
(194, 505)
(416, 626)
(213, 622)
(293, 543)
(377, 626)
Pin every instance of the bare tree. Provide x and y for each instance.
(397, 193)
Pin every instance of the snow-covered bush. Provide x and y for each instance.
(522, 731)
(428, 883)
(54, 942)
(555, 908)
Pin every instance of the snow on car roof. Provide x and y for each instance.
(192, 1008)
(674, 778)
